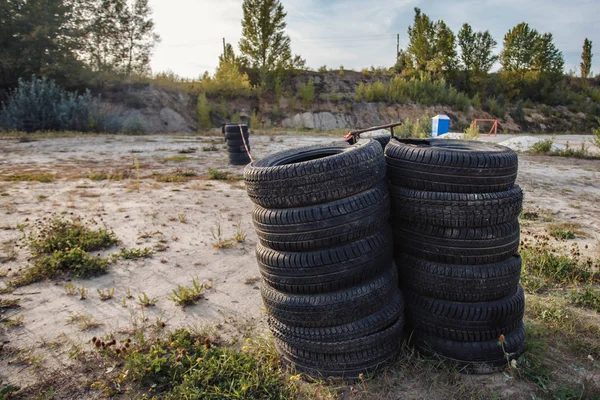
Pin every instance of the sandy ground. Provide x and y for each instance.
(568, 189)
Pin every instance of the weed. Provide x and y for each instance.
(43, 178)
(84, 322)
(82, 293)
(182, 218)
(187, 365)
(546, 267)
(240, 234)
(145, 301)
(10, 253)
(472, 132)
(178, 158)
(128, 294)
(131, 254)
(542, 147)
(252, 281)
(185, 296)
(62, 246)
(12, 322)
(6, 304)
(219, 241)
(106, 294)
(71, 289)
(210, 148)
(215, 174)
(587, 298)
(42, 197)
(564, 231)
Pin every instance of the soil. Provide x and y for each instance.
(183, 217)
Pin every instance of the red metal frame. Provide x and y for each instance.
(494, 126)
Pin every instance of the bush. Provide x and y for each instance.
(519, 114)
(472, 132)
(476, 101)
(306, 93)
(133, 125)
(596, 138)
(542, 147)
(39, 104)
(203, 110)
(421, 128)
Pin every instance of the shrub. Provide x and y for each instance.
(39, 104)
(421, 128)
(596, 138)
(203, 110)
(542, 147)
(306, 93)
(133, 125)
(472, 132)
(322, 69)
(519, 114)
(476, 101)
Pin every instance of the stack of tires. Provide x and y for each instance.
(456, 235)
(325, 254)
(235, 145)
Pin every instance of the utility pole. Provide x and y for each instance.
(397, 46)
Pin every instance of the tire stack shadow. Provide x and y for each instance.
(325, 254)
(455, 211)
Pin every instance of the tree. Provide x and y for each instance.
(421, 39)
(228, 77)
(264, 42)
(547, 58)
(444, 56)
(586, 59)
(140, 38)
(519, 48)
(476, 50)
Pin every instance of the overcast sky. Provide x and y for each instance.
(361, 33)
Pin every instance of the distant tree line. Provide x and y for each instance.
(74, 42)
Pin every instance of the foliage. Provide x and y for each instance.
(203, 110)
(264, 43)
(587, 298)
(586, 59)
(218, 175)
(229, 81)
(192, 366)
(306, 93)
(542, 147)
(185, 296)
(545, 266)
(476, 52)
(596, 138)
(39, 104)
(421, 128)
(519, 114)
(62, 246)
(472, 132)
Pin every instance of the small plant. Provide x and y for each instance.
(185, 296)
(564, 231)
(219, 241)
(189, 150)
(6, 304)
(12, 322)
(82, 293)
(587, 298)
(215, 174)
(145, 301)
(306, 93)
(472, 132)
(84, 322)
(182, 218)
(131, 254)
(106, 294)
(596, 138)
(42, 178)
(542, 147)
(71, 289)
(240, 234)
(128, 294)
(178, 158)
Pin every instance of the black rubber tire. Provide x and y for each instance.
(456, 209)
(239, 159)
(326, 270)
(473, 357)
(363, 327)
(233, 127)
(232, 132)
(238, 149)
(334, 308)
(382, 138)
(457, 166)
(314, 174)
(323, 225)
(467, 283)
(465, 246)
(466, 322)
(237, 143)
(347, 359)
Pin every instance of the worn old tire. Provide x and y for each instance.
(383, 138)
(323, 225)
(314, 174)
(456, 209)
(333, 308)
(466, 322)
(232, 132)
(451, 245)
(467, 283)
(473, 357)
(457, 166)
(326, 270)
(347, 359)
(239, 158)
(368, 325)
(237, 149)
(237, 143)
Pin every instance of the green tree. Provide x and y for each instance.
(519, 48)
(586, 59)
(444, 57)
(229, 80)
(477, 49)
(264, 42)
(547, 58)
(203, 111)
(140, 38)
(421, 40)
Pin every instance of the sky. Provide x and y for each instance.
(359, 34)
